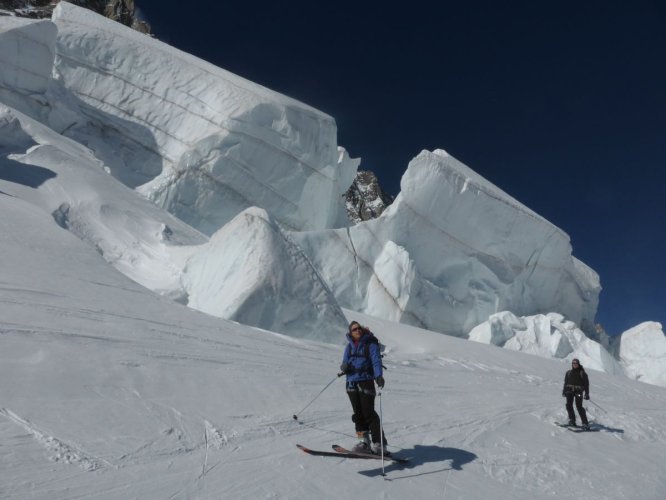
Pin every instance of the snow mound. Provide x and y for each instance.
(252, 273)
(129, 231)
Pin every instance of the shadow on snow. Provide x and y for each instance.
(27, 175)
(604, 428)
(420, 455)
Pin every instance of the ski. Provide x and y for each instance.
(320, 453)
(577, 428)
(580, 429)
(568, 426)
(339, 449)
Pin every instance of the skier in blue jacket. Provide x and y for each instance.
(362, 363)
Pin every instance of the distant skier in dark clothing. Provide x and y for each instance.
(576, 387)
(362, 363)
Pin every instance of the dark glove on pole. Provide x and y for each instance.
(380, 382)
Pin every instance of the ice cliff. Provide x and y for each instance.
(450, 251)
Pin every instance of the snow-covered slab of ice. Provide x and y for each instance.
(66, 180)
(27, 50)
(642, 352)
(223, 143)
(450, 251)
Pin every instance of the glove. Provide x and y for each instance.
(344, 368)
(587, 396)
(380, 382)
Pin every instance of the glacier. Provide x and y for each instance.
(111, 387)
(173, 169)
(113, 391)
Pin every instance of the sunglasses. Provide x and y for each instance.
(355, 329)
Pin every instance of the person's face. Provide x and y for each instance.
(574, 364)
(356, 331)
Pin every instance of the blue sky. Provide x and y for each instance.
(560, 104)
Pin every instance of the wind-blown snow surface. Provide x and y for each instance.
(108, 390)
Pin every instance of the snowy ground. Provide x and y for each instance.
(109, 391)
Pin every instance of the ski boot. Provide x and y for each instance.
(585, 426)
(377, 450)
(363, 445)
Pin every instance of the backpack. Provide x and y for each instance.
(366, 351)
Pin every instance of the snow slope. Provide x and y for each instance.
(110, 391)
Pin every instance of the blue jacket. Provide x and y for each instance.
(362, 367)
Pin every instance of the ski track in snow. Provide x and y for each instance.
(59, 451)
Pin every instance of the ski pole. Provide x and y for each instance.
(320, 392)
(595, 404)
(381, 429)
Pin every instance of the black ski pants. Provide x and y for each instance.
(579, 406)
(365, 418)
